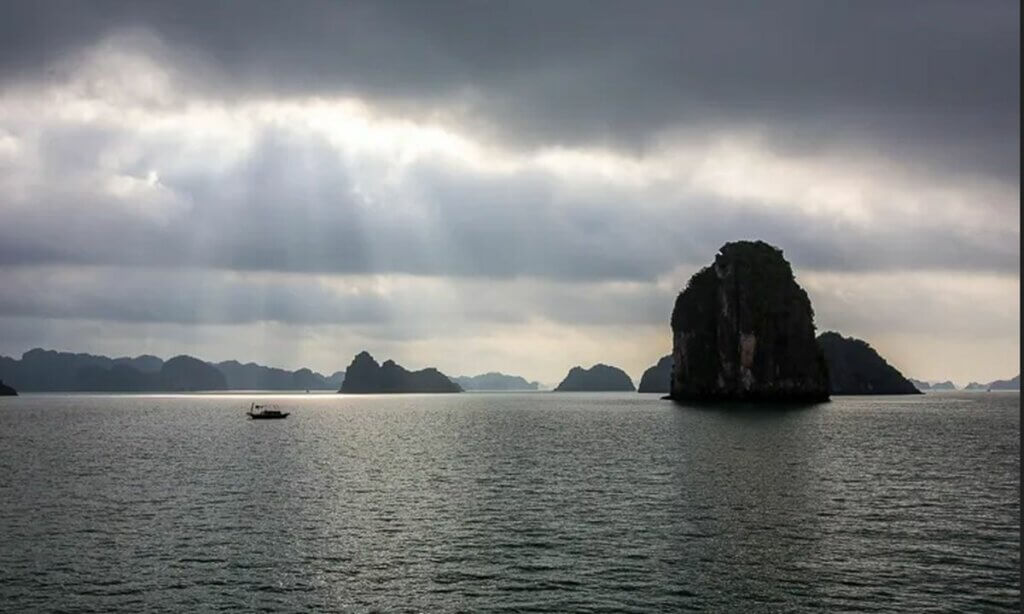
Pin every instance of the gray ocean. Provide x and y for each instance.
(532, 502)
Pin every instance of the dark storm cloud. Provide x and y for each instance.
(936, 81)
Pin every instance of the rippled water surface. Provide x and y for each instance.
(517, 502)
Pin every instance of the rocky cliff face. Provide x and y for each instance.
(366, 376)
(854, 367)
(599, 378)
(7, 391)
(743, 329)
(657, 378)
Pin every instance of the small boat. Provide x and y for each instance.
(262, 412)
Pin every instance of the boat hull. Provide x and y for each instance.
(271, 417)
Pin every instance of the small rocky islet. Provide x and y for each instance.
(366, 376)
(598, 378)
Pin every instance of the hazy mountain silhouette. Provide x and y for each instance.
(252, 376)
(187, 373)
(599, 378)
(146, 363)
(118, 378)
(46, 370)
(1005, 384)
(41, 370)
(494, 381)
(1000, 384)
(920, 385)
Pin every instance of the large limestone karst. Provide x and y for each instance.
(599, 378)
(366, 376)
(743, 330)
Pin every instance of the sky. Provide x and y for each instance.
(503, 186)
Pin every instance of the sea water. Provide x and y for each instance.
(549, 502)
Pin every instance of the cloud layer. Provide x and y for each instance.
(386, 172)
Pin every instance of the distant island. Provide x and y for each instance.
(924, 386)
(494, 381)
(657, 378)
(920, 385)
(41, 370)
(365, 376)
(1000, 384)
(252, 376)
(7, 391)
(179, 374)
(743, 330)
(188, 373)
(1005, 384)
(599, 378)
(854, 367)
